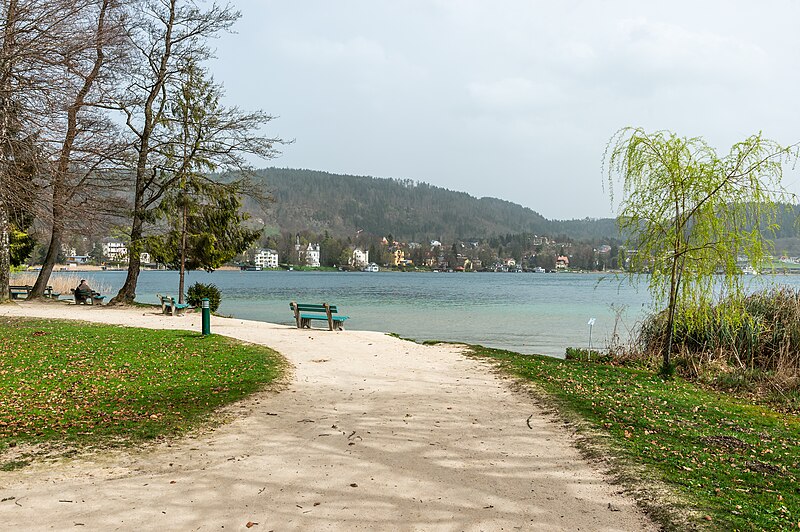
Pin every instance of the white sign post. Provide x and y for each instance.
(591, 324)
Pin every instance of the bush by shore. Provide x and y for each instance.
(748, 344)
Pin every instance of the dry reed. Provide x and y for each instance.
(758, 334)
(61, 281)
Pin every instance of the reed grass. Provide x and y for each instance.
(751, 339)
(62, 281)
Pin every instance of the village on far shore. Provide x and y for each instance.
(541, 255)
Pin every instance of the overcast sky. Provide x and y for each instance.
(510, 99)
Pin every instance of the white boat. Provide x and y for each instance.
(539, 269)
(371, 267)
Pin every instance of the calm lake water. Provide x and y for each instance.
(523, 312)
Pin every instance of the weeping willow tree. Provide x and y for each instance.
(689, 215)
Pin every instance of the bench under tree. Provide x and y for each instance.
(23, 291)
(169, 305)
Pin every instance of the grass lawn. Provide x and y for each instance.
(66, 381)
(735, 465)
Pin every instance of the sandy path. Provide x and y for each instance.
(372, 433)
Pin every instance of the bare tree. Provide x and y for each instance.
(168, 34)
(85, 143)
(33, 34)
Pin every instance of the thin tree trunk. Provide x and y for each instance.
(127, 293)
(673, 298)
(673, 291)
(183, 250)
(5, 167)
(5, 254)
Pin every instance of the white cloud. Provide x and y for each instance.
(513, 94)
(354, 51)
(678, 55)
(517, 96)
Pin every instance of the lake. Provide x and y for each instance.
(523, 312)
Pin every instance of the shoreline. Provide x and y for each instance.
(372, 431)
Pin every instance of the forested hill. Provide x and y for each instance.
(408, 210)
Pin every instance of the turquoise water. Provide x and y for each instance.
(524, 312)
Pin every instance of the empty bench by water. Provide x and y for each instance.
(304, 313)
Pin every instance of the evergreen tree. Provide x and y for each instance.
(203, 215)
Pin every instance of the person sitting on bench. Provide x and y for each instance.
(82, 293)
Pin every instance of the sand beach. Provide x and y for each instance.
(369, 432)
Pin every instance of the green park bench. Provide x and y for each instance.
(305, 312)
(19, 291)
(22, 292)
(83, 297)
(170, 306)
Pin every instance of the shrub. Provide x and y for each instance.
(198, 291)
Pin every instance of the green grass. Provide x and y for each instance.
(78, 383)
(732, 465)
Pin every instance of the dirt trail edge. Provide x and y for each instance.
(371, 433)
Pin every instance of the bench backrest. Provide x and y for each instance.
(19, 290)
(312, 307)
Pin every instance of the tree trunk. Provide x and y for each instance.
(182, 275)
(56, 237)
(5, 167)
(5, 254)
(127, 293)
(666, 368)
